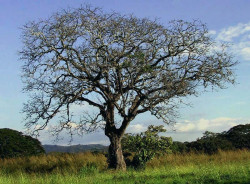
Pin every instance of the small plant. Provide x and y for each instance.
(144, 146)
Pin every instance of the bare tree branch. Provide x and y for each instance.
(115, 63)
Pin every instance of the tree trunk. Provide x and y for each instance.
(115, 157)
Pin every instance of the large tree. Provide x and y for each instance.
(120, 65)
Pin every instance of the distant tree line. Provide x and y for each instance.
(94, 148)
(237, 137)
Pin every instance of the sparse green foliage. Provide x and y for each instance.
(146, 145)
(15, 144)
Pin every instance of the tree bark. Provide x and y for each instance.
(115, 157)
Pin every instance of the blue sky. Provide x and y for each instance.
(227, 20)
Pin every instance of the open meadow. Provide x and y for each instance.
(223, 167)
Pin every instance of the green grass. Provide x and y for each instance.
(224, 167)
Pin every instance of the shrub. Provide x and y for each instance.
(144, 146)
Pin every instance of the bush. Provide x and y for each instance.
(144, 146)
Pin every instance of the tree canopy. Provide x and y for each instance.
(120, 65)
(15, 144)
(239, 136)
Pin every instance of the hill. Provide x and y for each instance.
(74, 148)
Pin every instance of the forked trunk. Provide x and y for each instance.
(115, 157)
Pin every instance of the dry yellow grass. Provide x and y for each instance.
(194, 159)
(74, 163)
(59, 162)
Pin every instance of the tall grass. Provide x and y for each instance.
(224, 167)
(53, 163)
(189, 159)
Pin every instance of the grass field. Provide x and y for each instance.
(224, 167)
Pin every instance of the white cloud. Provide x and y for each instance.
(203, 124)
(214, 125)
(186, 126)
(228, 34)
(239, 37)
(71, 124)
(137, 128)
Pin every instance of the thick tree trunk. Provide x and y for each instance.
(115, 157)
